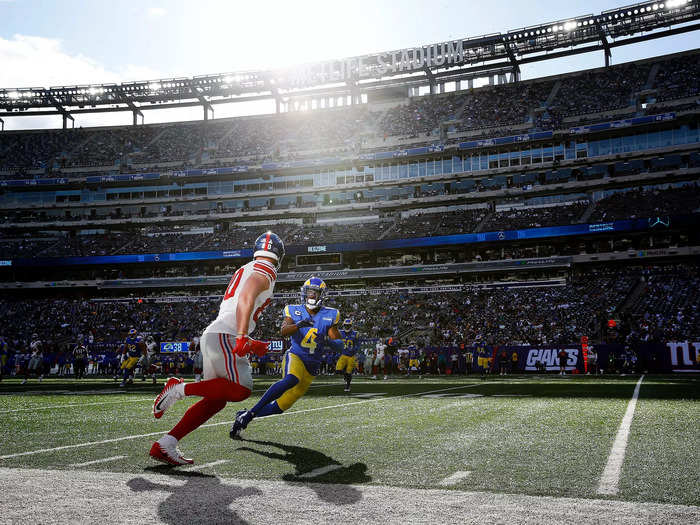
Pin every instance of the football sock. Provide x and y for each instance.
(269, 410)
(274, 392)
(348, 378)
(197, 415)
(218, 388)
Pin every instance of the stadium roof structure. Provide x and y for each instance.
(433, 65)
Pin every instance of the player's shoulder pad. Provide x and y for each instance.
(293, 310)
(263, 268)
(332, 312)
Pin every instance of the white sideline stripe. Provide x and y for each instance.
(207, 465)
(98, 403)
(95, 462)
(456, 477)
(292, 412)
(611, 475)
(320, 471)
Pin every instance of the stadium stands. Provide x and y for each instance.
(629, 203)
(650, 202)
(526, 105)
(373, 189)
(514, 218)
(550, 315)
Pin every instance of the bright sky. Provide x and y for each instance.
(71, 42)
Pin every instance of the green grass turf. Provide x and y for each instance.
(545, 436)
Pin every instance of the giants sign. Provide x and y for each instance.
(550, 358)
(685, 356)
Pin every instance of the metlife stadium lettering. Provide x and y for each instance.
(401, 61)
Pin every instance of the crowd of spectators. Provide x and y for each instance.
(600, 90)
(666, 309)
(669, 307)
(674, 78)
(647, 202)
(505, 105)
(429, 224)
(338, 233)
(651, 202)
(515, 219)
(421, 116)
(344, 129)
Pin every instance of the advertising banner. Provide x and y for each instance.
(533, 358)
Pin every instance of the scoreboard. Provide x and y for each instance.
(174, 346)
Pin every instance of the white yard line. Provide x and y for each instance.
(292, 412)
(456, 477)
(611, 475)
(207, 465)
(319, 471)
(95, 462)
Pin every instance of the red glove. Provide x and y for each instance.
(245, 345)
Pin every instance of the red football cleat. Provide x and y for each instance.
(167, 397)
(169, 455)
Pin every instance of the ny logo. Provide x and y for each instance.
(684, 347)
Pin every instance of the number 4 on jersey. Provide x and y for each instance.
(309, 340)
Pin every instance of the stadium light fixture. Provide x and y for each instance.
(154, 86)
(569, 26)
(675, 3)
(14, 95)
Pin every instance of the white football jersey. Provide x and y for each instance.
(381, 347)
(225, 323)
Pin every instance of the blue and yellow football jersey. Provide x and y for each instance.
(307, 341)
(349, 338)
(133, 346)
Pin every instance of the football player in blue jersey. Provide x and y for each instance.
(346, 362)
(133, 349)
(311, 326)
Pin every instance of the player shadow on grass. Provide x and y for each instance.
(332, 486)
(202, 499)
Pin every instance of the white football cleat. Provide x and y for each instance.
(171, 392)
(166, 451)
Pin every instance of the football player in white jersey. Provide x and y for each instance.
(224, 345)
(36, 362)
(148, 359)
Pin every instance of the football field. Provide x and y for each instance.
(515, 449)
